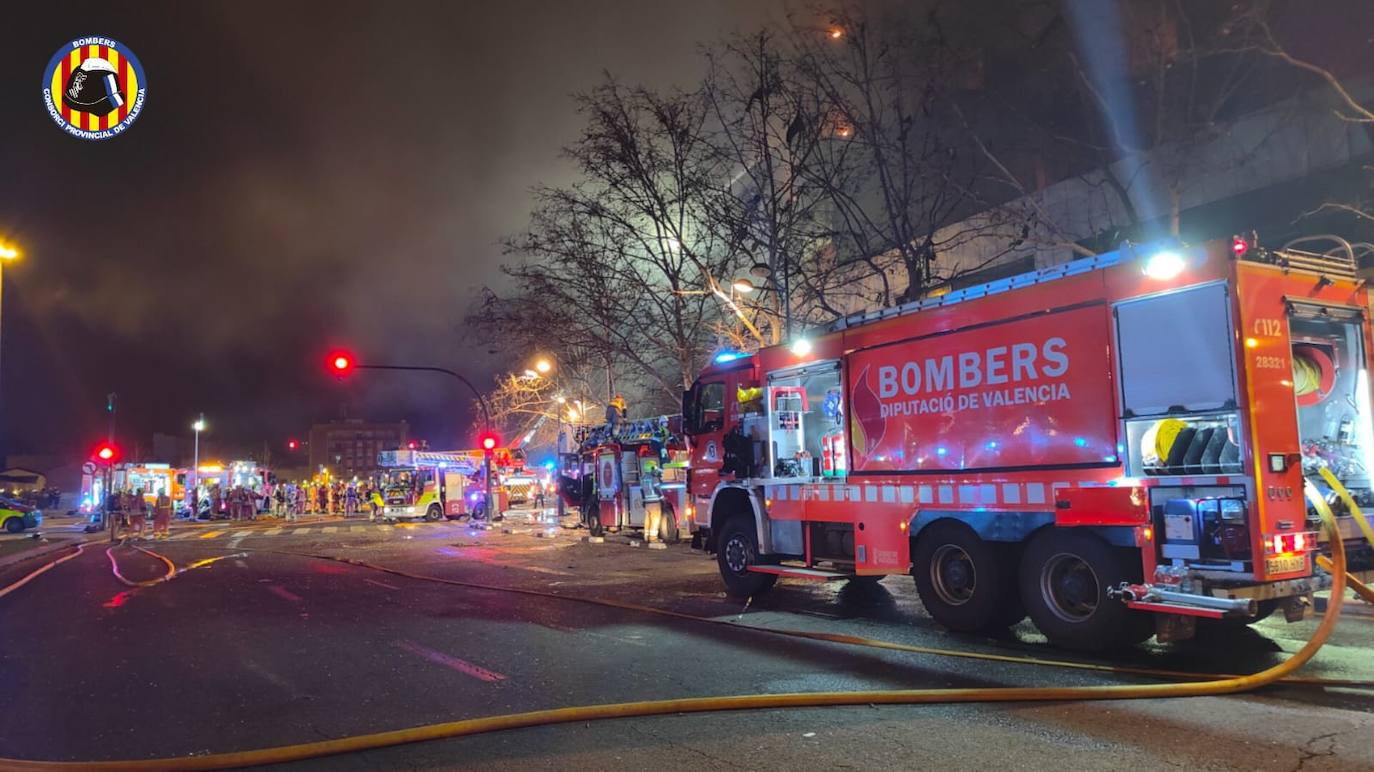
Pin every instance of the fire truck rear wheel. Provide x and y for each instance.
(667, 528)
(1065, 574)
(961, 579)
(736, 550)
(594, 526)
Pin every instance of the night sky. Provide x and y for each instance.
(303, 176)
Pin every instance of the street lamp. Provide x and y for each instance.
(197, 427)
(543, 366)
(743, 286)
(8, 252)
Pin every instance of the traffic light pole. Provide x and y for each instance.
(481, 402)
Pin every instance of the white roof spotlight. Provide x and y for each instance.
(1164, 264)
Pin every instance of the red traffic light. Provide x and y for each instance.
(412, 445)
(1239, 246)
(341, 363)
(292, 444)
(489, 441)
(107, 452)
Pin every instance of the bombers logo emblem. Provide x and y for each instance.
(94, 87)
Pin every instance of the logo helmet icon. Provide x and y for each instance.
(94, 88)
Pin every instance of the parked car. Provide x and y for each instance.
(16, 516)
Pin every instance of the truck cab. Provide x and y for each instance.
(432, 485)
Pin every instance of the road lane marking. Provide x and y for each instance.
(211, 534)
(440, 658)
(385, 527)
(272, 531)
(329, 529)
(405, 525)
(358, 528)
(300, 531)
(382, 584)
(277, 589)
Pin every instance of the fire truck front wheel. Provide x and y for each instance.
(964, 582)
(1065, 574)
(434, 514)
(736, 550)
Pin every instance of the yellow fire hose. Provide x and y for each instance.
(37, 572)
(466, 727)
(114, 568)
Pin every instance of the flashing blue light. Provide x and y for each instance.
(549, 465)
(940, 451)
(1109, 459)
(992, 444)
(1080, 442)
(728, 356)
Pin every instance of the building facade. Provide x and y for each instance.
(350, 446)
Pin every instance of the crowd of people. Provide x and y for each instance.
(290, 499)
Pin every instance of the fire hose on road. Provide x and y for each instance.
(467, 727)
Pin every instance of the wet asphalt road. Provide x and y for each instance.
(264, 646)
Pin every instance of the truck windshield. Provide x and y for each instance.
(707, 409)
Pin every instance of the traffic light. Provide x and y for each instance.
(292, 444)
(412, 445)
(341, 363)
(106, 452)
(489, 441)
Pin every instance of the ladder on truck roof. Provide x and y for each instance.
(1038, 276)
(459, 461)
(1341, 262)
(638, 430)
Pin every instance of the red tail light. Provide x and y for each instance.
(1290, 543)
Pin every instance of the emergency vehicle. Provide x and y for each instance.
(1116, 446)
(149, 477)
(429, 484)
(632, 474)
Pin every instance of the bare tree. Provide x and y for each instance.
(896, 169)
(628, 262)
(1349, 108)
(771, 128)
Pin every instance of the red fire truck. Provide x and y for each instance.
(629, 476)
(1116, 446)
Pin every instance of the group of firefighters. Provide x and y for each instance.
(129, 510)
